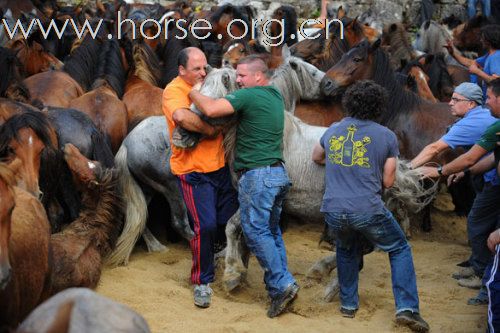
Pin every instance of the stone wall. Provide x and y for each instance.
(385, 11)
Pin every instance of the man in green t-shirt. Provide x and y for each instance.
(263, 182)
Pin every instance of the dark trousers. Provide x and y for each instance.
(210, 200)
(493, 286)
(482, 220)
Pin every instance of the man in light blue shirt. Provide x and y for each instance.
(466, 103)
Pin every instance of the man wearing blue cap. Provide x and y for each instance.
(467, 104)
(484, 216)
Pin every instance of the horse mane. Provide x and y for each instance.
(146, 63)
(400, 101)
(476, 22)
(11, 84)
(35, 120)
(7, 175)
(399, 44)
(82, 62)
(438, 74)
(168, 53)
(110, 68)
(451, 21)
(286, 80)
(236, 11)
(334, 47)
(289, 16)
(100, 217)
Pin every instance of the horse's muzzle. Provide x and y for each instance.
(328, 86)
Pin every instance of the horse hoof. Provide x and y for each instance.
(332, 290)
(157, 248)
(232, 284)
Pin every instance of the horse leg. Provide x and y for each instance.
(322, 267)
(332, 289)
(426, 219)
(152, 243)
(236, 265)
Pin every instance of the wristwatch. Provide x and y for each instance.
(440, 170)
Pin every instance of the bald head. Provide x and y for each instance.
(192, 62)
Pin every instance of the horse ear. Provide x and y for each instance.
(208, 68)
(375, 45)
(285, 52)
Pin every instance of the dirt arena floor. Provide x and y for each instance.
(157, 286)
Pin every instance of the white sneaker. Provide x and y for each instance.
(202, 295)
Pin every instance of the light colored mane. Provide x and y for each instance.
(142, 70)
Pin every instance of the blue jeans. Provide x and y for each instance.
(383, 231)
(485, 8)
(261, 192)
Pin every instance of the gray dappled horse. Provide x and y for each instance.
(144, 159)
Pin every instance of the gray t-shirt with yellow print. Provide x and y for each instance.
(356, 151)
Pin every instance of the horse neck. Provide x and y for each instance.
(132, 81)
(100, 216)
(423, 88)
(400, 101)
(287, 83)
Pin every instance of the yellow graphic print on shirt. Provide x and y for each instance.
(348, 152)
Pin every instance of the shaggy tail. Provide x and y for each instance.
(136, 211)
(102, 150)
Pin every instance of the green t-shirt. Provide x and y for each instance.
(259, 137)
(489, 139)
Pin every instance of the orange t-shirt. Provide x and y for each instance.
(208, 154)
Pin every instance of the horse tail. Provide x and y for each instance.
(136, 211)
(101, 151)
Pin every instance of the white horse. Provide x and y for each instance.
(304, 199)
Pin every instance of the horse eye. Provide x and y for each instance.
(357, 59)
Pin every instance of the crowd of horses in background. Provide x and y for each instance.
(69, 105)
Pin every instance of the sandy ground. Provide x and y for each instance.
(157, 286)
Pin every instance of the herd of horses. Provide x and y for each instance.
(84, 144)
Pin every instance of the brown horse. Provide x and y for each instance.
(59, 88)
(24, 251)
(142, 95)
(103, 104)
(326, 51)
(415, 121)
(33, 57)
(79, 249)
(24, 139)
(466, 36)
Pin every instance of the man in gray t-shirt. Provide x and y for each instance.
(360, 157)
(356, 151)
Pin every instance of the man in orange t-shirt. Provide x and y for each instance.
(203, 178)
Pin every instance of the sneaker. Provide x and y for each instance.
(348, 313)
(202, 295)
(474, 282)
(412, 320)
(463, 273)
(279, 304)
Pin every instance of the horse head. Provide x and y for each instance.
(25, 141)
(7, 203)
(235, 50)
(84, 171)
(353, 66)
